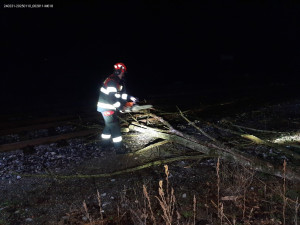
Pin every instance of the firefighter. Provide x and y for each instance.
(112, 98)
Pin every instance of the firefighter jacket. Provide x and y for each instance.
(113, 94)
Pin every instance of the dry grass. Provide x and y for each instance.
(149, 204)
(236, 196)
(284, 192)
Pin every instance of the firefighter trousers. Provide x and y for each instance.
(111, 131)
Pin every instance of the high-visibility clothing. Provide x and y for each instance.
(112, 97)
(111, 131)
(112, 94)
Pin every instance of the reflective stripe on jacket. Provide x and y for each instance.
(112, 94)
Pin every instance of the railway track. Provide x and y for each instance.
(24, 126)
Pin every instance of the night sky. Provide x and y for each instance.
(62, 54)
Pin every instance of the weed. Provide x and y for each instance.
(187, 214)
(234, 198)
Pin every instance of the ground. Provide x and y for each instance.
(57, 183)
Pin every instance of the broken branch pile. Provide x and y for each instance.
(212, 147)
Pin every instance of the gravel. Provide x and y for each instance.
(44, 158)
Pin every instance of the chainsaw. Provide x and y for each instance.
(132, 107)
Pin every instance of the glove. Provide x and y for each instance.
(134, 99)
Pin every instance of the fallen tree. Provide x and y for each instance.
(260, 141)
(128, 170)
(216, 149)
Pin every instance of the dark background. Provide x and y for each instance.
(59, 57)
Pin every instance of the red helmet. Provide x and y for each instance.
(120, 67)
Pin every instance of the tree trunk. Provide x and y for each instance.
(218, 151)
